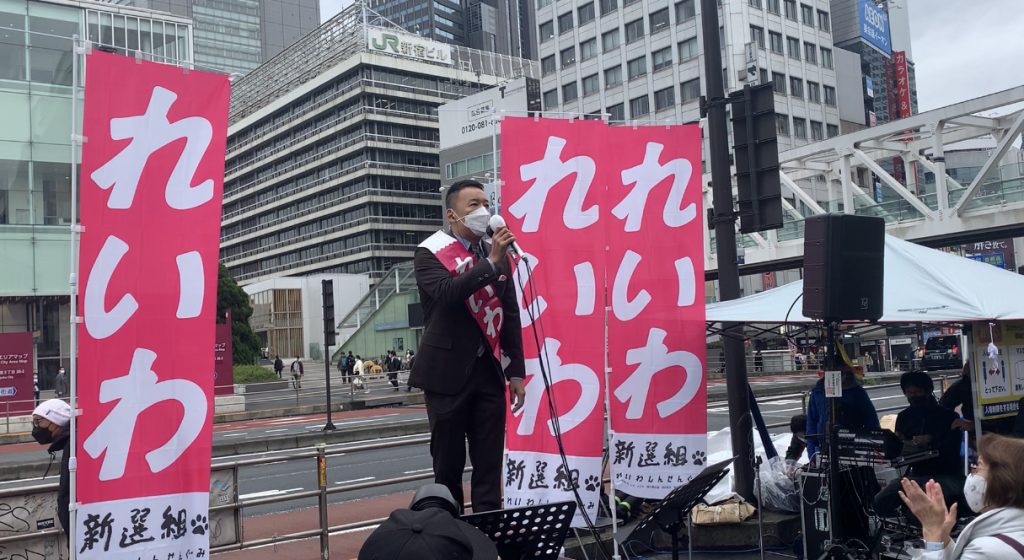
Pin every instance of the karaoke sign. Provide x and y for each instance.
(624, 206)
(152, 180)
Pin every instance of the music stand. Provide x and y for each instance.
(535, 532)
(674, 510)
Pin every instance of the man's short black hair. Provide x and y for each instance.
(449, 195)
(919, 379)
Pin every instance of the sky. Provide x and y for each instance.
(965, 48)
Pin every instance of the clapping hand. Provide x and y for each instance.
(929, 506)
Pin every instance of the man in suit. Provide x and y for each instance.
(471, 319)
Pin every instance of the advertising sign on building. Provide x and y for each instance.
(223, 360)
(874, 26)
(904, 109)
(999, 374)
(16, 371)
(152, 185)
(410, 46)
(475, 117)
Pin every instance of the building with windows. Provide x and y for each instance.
(332, 157)
(640, 60)
(877, 34)
(288, 314)
(36, 77)
(235, 36)
(498, 26)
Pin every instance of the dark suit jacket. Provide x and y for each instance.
(451, 336)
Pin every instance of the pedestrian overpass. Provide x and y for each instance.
(857, 173)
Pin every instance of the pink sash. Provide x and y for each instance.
(484, 304)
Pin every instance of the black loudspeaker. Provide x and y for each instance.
(843, 267)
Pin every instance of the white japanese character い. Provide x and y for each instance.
(101, 323)
(524, 272)
(644, 178)
(135, 393)
(148, 133)
(651, 359)
(546, 173)
(590, 390)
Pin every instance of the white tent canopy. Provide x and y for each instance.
(921, 285)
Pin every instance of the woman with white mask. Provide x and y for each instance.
(995, 490)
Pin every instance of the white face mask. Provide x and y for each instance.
(477, 220)
(974, 492)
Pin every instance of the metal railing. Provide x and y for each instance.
(230, 507)
(404, 280)
(344, 229)
(351, 168)
(403, 251)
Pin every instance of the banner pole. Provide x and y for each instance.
(494, 161)
(76, 141)
(608, 430)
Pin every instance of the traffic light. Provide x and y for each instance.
(757, 158)
(328, 295)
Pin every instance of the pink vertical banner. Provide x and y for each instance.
(152, 179)
(656, 337)
(552, 198)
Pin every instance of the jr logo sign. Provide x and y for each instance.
(410, 46)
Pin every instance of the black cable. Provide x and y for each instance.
(542, 357)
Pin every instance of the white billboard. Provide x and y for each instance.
(476, 117)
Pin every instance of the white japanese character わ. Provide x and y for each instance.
(590, 390)
(622, 307)
(644, 178)
(546, 173)
(527, 313)
(99, 322)
(651, 359)
(135, 393)
(148, 133)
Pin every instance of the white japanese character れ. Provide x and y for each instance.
(148, 133)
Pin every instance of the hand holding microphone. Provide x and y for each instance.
(501, 239)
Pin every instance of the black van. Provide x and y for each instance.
(943, 352)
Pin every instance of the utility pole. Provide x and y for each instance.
(724, 222)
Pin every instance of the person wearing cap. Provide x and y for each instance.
(430, 534)
(50, 421)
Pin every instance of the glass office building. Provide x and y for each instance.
(36, 73)
(235, 36)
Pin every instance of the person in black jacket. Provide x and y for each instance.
(925, 426)
(456, 366)
(50, 421)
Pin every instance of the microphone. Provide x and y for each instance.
(496, 222)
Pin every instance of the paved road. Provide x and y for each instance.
(285, 476)
(366, 466)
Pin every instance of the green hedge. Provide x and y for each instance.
(253, 374)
